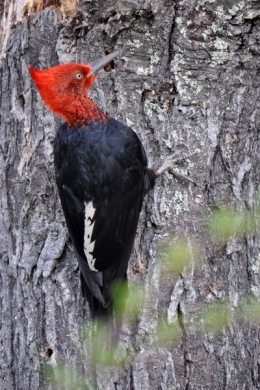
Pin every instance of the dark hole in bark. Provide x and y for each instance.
(48, 352)
(22, 101)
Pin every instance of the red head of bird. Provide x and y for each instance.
(64, 89)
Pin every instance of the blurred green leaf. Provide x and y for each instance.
(104, 346)
(127, 300)
(167, 333)
(249, 310)
(120, 293)
(179, 255)
(229, 222)
(215, 318)
(63, 378)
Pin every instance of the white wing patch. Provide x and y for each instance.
(89, 226)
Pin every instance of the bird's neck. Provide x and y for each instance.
(84, 112)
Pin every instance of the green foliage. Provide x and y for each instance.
(228, 222)
(179, 256)
(167, 334)
(64, 378)
(105, 349)
(127, 300)
(215, 318)
(223, 225)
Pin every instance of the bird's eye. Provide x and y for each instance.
(79, 76)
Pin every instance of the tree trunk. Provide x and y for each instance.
(187, 79)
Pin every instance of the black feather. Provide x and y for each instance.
(104, 164)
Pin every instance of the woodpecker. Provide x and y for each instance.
(102, 177)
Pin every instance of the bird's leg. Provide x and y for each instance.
(170, 160)
(167, 166)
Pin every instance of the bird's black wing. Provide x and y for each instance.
(102, 178)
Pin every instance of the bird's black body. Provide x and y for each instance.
(101, 166)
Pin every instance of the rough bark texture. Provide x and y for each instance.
(188, 78)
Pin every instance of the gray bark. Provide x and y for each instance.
(187, 79)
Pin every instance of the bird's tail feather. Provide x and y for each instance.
(105, 329)
(107, 321)
(96, 308)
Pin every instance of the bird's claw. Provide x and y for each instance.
(167, 166)
(168, 163)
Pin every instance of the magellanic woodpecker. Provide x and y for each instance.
(102, 177)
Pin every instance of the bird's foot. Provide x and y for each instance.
(168, 163)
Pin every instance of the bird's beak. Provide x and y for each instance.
(102, 62)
